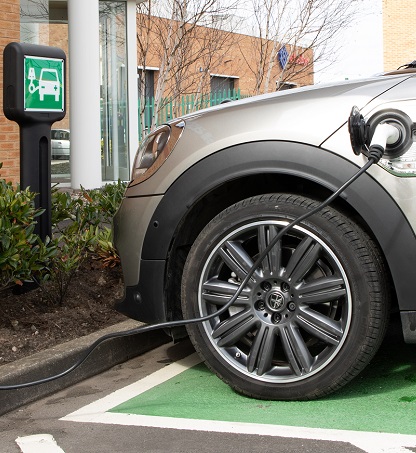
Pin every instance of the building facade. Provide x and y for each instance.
(9, 131)
(399, 33)
(99, 38)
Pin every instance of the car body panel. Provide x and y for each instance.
(377, 208)
(140, 210)
(271, 118)
(302, 134)
(401, 189)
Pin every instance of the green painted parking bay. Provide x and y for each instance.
(377, 410)
(382, 399)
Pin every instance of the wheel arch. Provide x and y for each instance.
(249, 169)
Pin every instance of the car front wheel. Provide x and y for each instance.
(313, 313)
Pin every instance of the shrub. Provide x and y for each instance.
(72, 251)
(103, 248)
(80, 224)
(104, 202)
(93, 207)
(23, 256)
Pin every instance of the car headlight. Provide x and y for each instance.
(401, 166)
(155, 149)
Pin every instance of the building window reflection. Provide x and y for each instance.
(114, 114)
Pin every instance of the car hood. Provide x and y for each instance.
(307, 115)
(310, 114)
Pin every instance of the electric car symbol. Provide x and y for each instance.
(49, 84)
(211, 191)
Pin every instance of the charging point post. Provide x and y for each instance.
(34, 97)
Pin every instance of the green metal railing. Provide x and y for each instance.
(187, 104)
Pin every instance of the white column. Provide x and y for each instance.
(132, 79)
(84, 105)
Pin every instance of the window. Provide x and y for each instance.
(146, 90)
(219, 84)
(114, 114)
(149, 82)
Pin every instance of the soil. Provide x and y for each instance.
(30, 322)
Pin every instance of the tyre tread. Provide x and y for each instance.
(372, 265)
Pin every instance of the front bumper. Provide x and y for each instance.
(145, 302)
(130, 225)
(143, 279)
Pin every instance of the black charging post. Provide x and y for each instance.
(34, 97)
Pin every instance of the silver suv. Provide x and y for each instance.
(211, 191)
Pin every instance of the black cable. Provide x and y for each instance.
(374, 157)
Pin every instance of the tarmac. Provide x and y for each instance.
(59, 358)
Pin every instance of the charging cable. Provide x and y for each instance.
(375, 153)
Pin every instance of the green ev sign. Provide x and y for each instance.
(43, 84)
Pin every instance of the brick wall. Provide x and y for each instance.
(57, 36)
(234, 63)
(399, 33)
(236, 57)
(9, 131)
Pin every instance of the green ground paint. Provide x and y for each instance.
(381, 399)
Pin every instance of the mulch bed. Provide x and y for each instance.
(30, 322)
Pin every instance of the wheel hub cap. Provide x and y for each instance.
(275, 301)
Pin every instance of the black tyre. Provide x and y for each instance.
(311, 317)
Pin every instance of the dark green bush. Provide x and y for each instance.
(81, 223)
(81, 226)
(23, 255)
(93, 207)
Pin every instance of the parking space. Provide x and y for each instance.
(145, 403)
(375, 413)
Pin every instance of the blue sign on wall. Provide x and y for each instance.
(283, 56)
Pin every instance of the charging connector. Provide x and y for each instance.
(384, 134)
(389, 132)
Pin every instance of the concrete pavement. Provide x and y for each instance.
(59, 358)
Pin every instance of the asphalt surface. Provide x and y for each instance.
(383, 394)
(48, 417)
(58, 359)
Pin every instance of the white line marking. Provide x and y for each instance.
(96, 412)
(38, 443)
(128, 392)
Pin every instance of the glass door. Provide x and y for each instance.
(114, 112)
